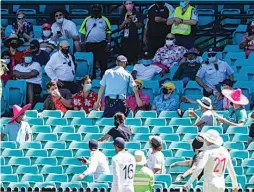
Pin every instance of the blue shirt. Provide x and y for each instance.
(161, 104)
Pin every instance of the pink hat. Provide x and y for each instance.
(236, 96)
(17, 111)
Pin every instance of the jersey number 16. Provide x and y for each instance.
(128, 171)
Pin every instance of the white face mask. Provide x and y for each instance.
(46, 33)
(7, 61)
(60, 20)
(170, 42)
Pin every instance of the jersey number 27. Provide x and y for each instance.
(218, 163)
(128, 171)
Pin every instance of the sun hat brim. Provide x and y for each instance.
(203, 105)
(217, 142)
(21, 112)
(243, 99)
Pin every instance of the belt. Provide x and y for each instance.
(116, 97)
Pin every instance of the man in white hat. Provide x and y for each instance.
(144, 177)
(214, 161)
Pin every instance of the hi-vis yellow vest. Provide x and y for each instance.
(182, 29)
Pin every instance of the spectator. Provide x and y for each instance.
(30, 71)
(188, 70)
(39, 56)
(86, 98)
(47, 41)
(145, 70)
(5, 74)
(3, 70)
(16, 57)
(165, 101)
(61, 67)
(198, 59)
(248, 41)
(139, 100)
(98, 163)
(207, 117)
(251, 132)
(23, 28)
(227, 84)
(156, 28)
(184, 24)
(115, 82)
(213, 72)
(170, 54)
(144, 177)
(59, 99)
(17, 128)
(64, 28)
(96, 33)
(120, 130)
(237, 115)
(130, 22)
(2, 33)
(155, 158)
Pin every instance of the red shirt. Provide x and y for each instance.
(59, 105)
(82, 103)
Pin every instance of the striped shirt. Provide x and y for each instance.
(143, 179)
(47, 43)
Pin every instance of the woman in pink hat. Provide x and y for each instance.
(17, 129)
(237, 115)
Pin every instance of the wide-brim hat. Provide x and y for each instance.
(236, 96)
(140, 157)
(212, 136)
(13, 37)
(17, 111)
(205, 102)
(66, 14)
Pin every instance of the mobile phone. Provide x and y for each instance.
(82, 159)
(59, 33)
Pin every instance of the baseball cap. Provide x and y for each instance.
(93, 145)
(227, 82)
(139, 81)
(122, 58)
(191, 51)
(27, 51)
(64, 43)
(212, 50)
(119, 142)
(169, 85)
(34, 44)
(156, 141)
(46, 26)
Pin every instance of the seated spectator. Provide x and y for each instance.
(199, 58)
(5, 75)
(64, 28)
(207, 118)
(47, 41)
(248, 41)
(39, 56)
(188, 70)
(120, 130)
(251, 132)
(31, 72)
(17, 128)
(227, 84)
(61, 67)
(59, 99)
(213, 72)
(22, 28)
(165, 101)
(170, 54)
(3, 69)
(145, 70)
(85, 99)
(139, 100)
(13, 42)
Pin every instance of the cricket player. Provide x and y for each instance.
(124, 166)
(214, 162)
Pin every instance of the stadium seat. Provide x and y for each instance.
(48, 169)
(40, 185)
(171, 160)
(44, 137)
(249, 172)
(68, 137)
(32, 178)
(250, 148)
(40, 161)
(81, 121)
(2, 161)
(133, 122)
(55, 145)
(57, 178)
(207, 18)
(7, 178)
(174, 146)
(240, 138)
(6, 169)
(217, 128)
(239, 155)
(60, 129)
(188, 136)
(84, 62)
(185, 153)
(4, 101)
(56, 121)
(232, 48)
(95, 114)
(234, 145)
(61, 153)
(193, 88)
(90, 136)
(71, 185)
(106, 145)
(78, 145)
(140, 129)
(241, 179)
(20, 185)
(180, 121)
(155, 122)
(165, 179)
(31, 113)
(228, 23)
(88, 129)
(83, 153)
(51, 113)
(75, 114)
(8, 145)
(168, 115)
(34, 121)
(12, 153)
(248, 163)
(250, 183)
(187, 129)
(232, 130)
(36, 129)
(106, 129)
(146, 114)
(19, 161)
(109, 153)
(23, 169)
(162, 129)
(5, 120)
(32, 153)
(133, 145)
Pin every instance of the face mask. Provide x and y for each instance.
(46, 33)
(7, 61)
(88, 87)
(14, 45)
(129, 7)
(191, 61)
(65, 51)
(169, 42)
(60, 20)
(182, 4)
(28, 59)
(165, 91)
(146, 62)
(221, 88)
(212, 59)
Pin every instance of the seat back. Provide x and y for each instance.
(84, 61)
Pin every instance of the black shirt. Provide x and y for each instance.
(121, 131)
(43, 58)
(187, 70)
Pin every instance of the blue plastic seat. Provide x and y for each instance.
(95, 114)
(109, 153)
(155, 122)
(188, 136)
(162, 129)
(232, 48)
(34, 153)
(217, 128)
(8, 145)
(7, 178)
(173, 137)
(105, 122)
(20, 185)
(90, 136)
(168, 114)
(23, 169)
(57, 178)
(106, 145)
(84, 61)
(68, 161)
(228, 23)
(19, 161)
(32, 178)
(81, 121)
(37, 31)
(46, 137)
(56, 121)
(133, 145)
(187, 129)
(78, 145)
(140, 129)
(207, 18)
(30, 145)
(133, 122)
(240, 138)
(12, 153)
(36, 129)
(6, 169)
(146, 114)
(88, 129)
(185, 153)
(165, 179)
(2, 161)
(55, 145)
(46, 161)
(48, 169)
(82, 153)
(193, 88)
(75, 114)
(60, 129)
(105, 178)
(31, 113)
(51, 113)
(231, 57)
(71, 170)
(61, 153)
(234, 145)
(34, 121)
(180, 145)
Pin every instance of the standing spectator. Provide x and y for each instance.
(123, 168)
(251, 132)
(22, 28)
(155, 158)
(184, 24)
(30, 71)
(213, 72)
(120, 130)
(59, 99)
(156, 27)
(98, 163)
(115, 82)
(248, 41)
(64, 28)
(170, 54)
(86, 98)
(130, 22)
(144, 177)
(40, 56)
(47, 41)
(61, 67)
(165, 101)
(96, 37)
(139, 100)
(17, 129)
(188, 70)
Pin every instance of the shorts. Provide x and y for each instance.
(251, 133)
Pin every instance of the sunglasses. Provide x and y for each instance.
(211, 54)
(6, 57)
(21, 18)
(170, 38)
(59, 15)
(169, 89)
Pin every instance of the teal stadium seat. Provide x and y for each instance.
(95, 114)
(140, 129)
(82, 153)
(32, 178)
(133, 122)
(56, 121)
(234, 145)
(2, 161)
(32, 113)
(217, 128)
(40, 161)
(37, 31)
(34, 121)
(88, 129)
(48, 169)
(60, 129)
(239, 33)
(77, 122)
(75, 114)
(20, 185)
(188, 136)
(51, 113)
(8, 145)
(106, 145)
(57, 178)
(185, 153)
(12, 153)
(23, 169)
(146, 114)
(240, 138)
(84, 61)
(162, 129)
(90, 136)
(67, 161)
(15, 161)
(44, 137)
(165, 179)
(193, 88)
(7, 178)
(78, 145)
(40, 185)
(105, 178)
(173, 137)
(55, 145)
(168, 115)
(36, 129)
(6, 169)
(151, 122)
(133, 145)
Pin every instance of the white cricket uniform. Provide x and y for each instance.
(124, 166)
(214, 162)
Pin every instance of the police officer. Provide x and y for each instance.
(184, 23)
(213, 72)
(115, 82)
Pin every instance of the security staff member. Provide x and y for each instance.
(183, 24)
(156, 27)
(96, 37)
(213, 72)
(115, 82)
